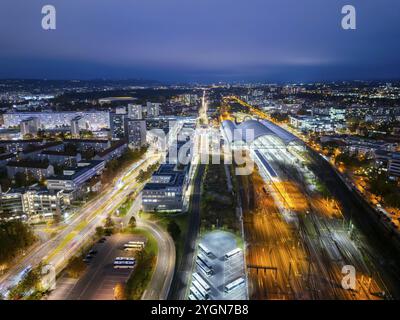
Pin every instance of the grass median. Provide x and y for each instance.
(145, 264)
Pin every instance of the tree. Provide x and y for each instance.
(5, 184)
(174, 230)
(144, 175)
(280, 117)
(29, 285)
(15, 236)
(119, 292)
(109, 223)
(132, 222)
(99, 231)
(20, 179)
(24, 180)
(109, 226)
(76, 267)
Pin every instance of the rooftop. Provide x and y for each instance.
(42, 147)
(113, 147)
(250, 130)
(28, 164)
(7, 156)
(75, 172)
(86, 140)
(60, 153)
(164, 177)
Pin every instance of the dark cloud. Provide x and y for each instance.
(200, 40)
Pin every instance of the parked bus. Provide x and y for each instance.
(124, 264)
(208, 271)
(205, 249)
(133, 245)
(196, 293)
(125, 258)
(202, 258)
(200, 280)
(127, 262)
(200, 289)
(234, 284)
(232, 253)
(192, 297)
(138, 243)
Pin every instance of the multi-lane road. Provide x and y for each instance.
(99, 280)
(160, 283)
(59, 249)
(182, 274)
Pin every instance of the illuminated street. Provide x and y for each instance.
(59, 249)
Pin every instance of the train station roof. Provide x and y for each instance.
(250, 130)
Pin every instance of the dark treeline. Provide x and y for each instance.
(15, 236)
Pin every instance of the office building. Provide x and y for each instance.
(117, 126)
(135, 111)
(394, 165)
(37, 169)
(135, 133)
(168, 185)
(30, 126)
(115, 151)
(165, 190)
(11, 205)
(74, 178)
(94, 120)
(153, 109)
(40, 202)
(76, 125)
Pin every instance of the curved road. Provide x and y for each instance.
(160, 283)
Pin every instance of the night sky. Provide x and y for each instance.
(200, 40)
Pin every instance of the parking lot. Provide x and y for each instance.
(100, 278)
(224, 271)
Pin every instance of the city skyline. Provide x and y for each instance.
(199, 151)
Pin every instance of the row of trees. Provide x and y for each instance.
(218, 205)
(20, 180)
(146, 174)
(29, 286)
(140, 277)
(351, 160)
(280, 117)
(174, 230)
(115, 165)
(107, 230)
(387, 189)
